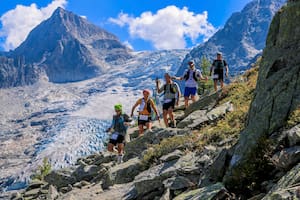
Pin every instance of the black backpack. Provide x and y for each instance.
(187, 75)
(148, 105)
(220, 64)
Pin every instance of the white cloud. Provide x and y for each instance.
(168, 28)
(17, 23)
(128, 45)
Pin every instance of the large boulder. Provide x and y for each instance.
(136, 147)
(287, 187)
(277, 95)
(209, 192)
(60, 178)
(175, 174)
(125, 172)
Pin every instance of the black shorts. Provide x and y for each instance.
(219, 73)
(144, 122)
(118, 140)
(168, 105)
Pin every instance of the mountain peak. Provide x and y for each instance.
(68, 43)
(241, 39)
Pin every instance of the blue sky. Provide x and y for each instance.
(146, 25)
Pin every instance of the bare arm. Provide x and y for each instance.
(133, 108)
(159, 89)
(155, 109)
(177, 78)
(227, 70)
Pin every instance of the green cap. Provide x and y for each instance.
(118, 107)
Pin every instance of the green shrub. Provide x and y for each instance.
(43, 170)
(294, 118)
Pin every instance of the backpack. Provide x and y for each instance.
(187, 75)
(149, 109)
(173, 88)
(219, 65)
(119, 123)
(148, 105)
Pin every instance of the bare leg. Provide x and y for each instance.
(120, 148)
(165, 115)
(216, 85)
(149, 125)
(222, 84)
(186, 102)
(110, 147)
(170, 112)
(141, 129)
(193, 98)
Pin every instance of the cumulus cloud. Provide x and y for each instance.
(17, 23)
(169, 27)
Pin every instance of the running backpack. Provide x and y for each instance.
(187, 75)
(219, 64)
(148, 105)
(119, 122)
(173, 89)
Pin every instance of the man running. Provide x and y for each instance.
(171, 97)
(191, 77)
(217, 69)
(118, 127)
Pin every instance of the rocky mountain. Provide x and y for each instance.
(241, 39)
(15, 72)
(255, 160)
(277, 98)
(69, 48)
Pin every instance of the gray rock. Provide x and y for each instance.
(166, 195)
(35, 184)
(140, 144)
(60, 178)
(277, 95)
(198, 117)
(220, 111)
(86, 173)
(178, 183)
(207, 193)
(171, 156)
(52, 193)
(218, 168)
(152, 179)
(287, 158)
(204, 103)
(287, 187)
(294, 135)
(32, 193)
(126, 171)
(194, 119)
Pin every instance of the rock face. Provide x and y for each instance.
(277, 95)
(14, 72)
(70, 48)
(241, 39)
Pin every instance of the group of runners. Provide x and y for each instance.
(171, 95)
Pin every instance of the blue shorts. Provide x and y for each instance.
(190, 91)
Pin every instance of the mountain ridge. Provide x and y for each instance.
(241, 39)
